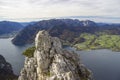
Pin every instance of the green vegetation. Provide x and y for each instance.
(101, 41)
(29, 52)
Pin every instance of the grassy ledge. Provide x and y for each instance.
(29, 52)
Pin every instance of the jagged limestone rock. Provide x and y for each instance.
(52, 62)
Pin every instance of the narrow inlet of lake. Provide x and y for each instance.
(13, 54)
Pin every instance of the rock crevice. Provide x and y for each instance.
(52, 62)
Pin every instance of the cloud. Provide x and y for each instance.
(47, 1)
(58, 8)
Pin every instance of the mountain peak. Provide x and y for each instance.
(52, 62)
(88, 23)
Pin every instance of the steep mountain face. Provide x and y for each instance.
(52, 62)
(61, 28)
(6, 72)
(9, 27)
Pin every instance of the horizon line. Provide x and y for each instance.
(62, 17)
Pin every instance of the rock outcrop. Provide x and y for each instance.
(52, 62)
(6, 72)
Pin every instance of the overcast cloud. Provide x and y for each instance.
(14, 9)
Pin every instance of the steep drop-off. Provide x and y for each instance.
(51, 62)
(6, 72)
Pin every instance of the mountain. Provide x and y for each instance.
(61, 28)
(66, 29)
(7, 27)
(27, 23)
(51, 62)
(6, 72)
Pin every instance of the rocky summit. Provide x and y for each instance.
(51, 62)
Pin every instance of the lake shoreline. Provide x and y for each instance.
(13, 54)
(103, 63)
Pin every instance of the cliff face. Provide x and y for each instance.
(6, 72)
(52, 62)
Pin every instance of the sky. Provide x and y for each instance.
(28, 10)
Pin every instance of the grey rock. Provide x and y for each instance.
(52, 62)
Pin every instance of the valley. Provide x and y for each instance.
(96, 44)
(100, 41)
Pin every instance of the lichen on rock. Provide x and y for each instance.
(52, 62)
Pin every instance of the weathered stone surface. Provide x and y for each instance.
(52, 62)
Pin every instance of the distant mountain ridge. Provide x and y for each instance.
(27, 23)
(7, 27)
(65, 29)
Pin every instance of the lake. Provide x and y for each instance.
(12, 54)
(103, 63)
